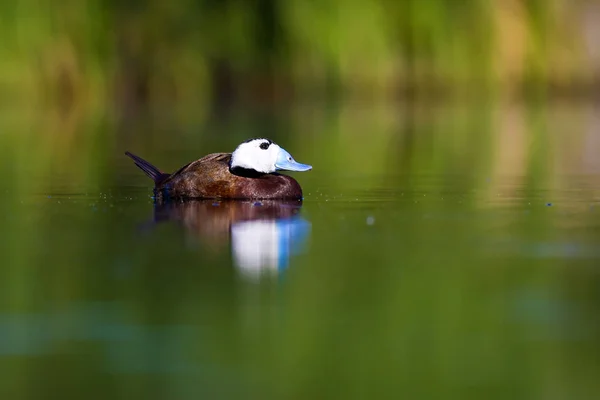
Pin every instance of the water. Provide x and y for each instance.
(446, 254)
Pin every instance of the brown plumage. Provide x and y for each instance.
(212, 178)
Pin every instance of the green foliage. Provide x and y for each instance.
(96, 51)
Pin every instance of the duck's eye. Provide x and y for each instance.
(264, 145)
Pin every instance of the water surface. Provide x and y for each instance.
(450, 252)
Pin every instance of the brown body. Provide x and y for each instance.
(211, 178)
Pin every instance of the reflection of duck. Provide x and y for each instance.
(247, 173)
(263, 234)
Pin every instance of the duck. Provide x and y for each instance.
(250, 172)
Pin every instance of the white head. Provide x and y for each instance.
(262, 155)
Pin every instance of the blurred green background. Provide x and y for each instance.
(101, 52)
(453, 204)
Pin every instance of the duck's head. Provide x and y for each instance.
(264, 156)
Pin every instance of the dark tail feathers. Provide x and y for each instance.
(150, 170)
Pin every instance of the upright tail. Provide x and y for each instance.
(150, 170)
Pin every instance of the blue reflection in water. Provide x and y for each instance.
(127, 348)
(542, 250)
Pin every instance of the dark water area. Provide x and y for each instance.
(437, 253)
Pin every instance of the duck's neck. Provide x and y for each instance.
(246, 172)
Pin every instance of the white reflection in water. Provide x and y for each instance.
(265, 246)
